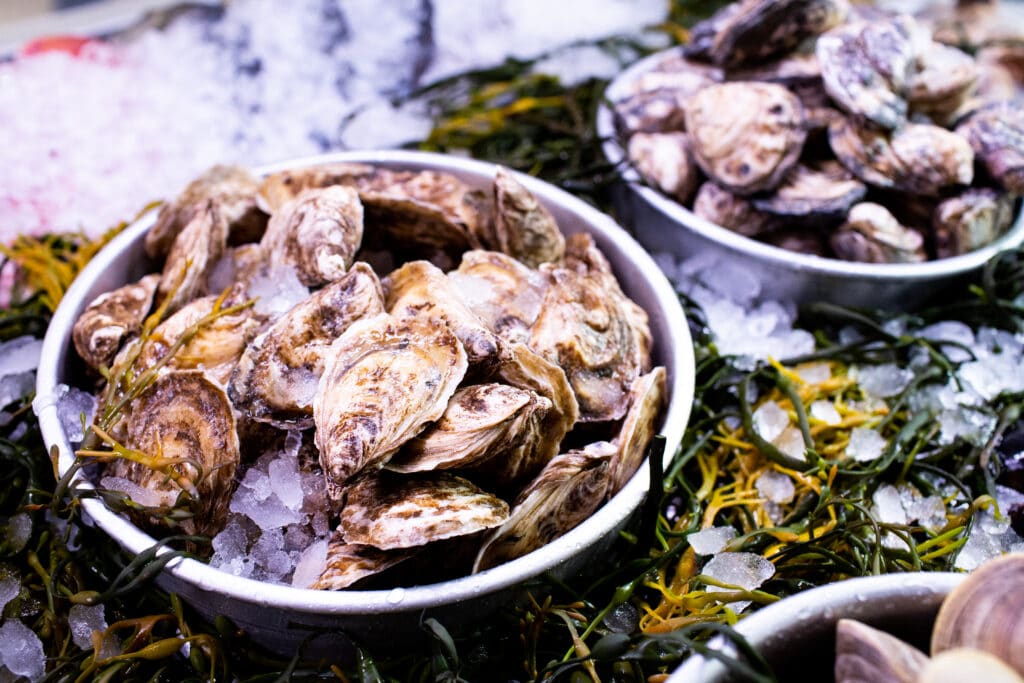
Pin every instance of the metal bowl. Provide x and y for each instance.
(662, 224)
(280, 616)
(797, 635)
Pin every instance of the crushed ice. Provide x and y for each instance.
(991, 536)
(775, 487)
(83, 620)
(21, 651)
(711, 541)
(865, 444)
(745, 570)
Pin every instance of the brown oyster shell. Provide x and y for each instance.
(186, 416)
(277, 375)
(566, 492)
(351, 562)
(523, 228)
(231, 188)
(746, 136)
(283, 186)
(318, 233)
(754, 30)
(385, 379)
(196, 249)
(799, 73)
(918, 158)
(996, 134)
(493, 429)
(873, 235)
(665, 161)
(822, 192)
(420, 289)
(944, 79)
(864, 653)
(391, 511)
(648, 397)
(652, 111)
(970, 220)
(111, 318)
(731, 211)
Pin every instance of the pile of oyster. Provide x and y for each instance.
(977, 636)
(839, 131)
(463, 375)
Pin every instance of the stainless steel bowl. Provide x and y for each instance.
(797, 635)
(280, 616)
(662, 224)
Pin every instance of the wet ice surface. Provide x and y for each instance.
(882, 381)
(770, 420)
(10, 586)
(775, 487)
(21, 651)
(745, 570)
(83, 620)
(19, 358)
(826, 412)
(865, 444)
(991, 536)
(277, 291)
(710, 541)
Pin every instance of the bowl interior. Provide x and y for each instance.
(123, 261)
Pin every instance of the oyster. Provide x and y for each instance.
(867, 68)
(653, 111)
(196, 249)
(500, 291)
(970, 220)
(566, 492)
(597, 335)
(231, 188)
(283, 186)
(318, 233)
(186, 421)
(730, 211)
(524, 229)
(493, 429)
(996, 134)
(665, 161)
(943, 81)
(420, 289)
(864, 653)
(110, 319)
(385, 379)
(918, 158)
(350, 562)
(754, 30)
(389, 511)
(798, 240)
(647, 399)
(746, 136)
(799, 73)
(1000, 71)
(817, 193)
(277, 375)
(873, 235)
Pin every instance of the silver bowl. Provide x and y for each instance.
(280, 617)
(797, 635)
(662, 224)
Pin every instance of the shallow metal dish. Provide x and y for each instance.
(280, 616)
(797, 635)
(662, 224)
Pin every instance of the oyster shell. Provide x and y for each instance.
(566, 492)
(648, 397)
(822, 192)
(918, 158)
(283, 186)
(996, 134)
(385, 379)
(111, 318)
(524, 229)
(597, 335)
(799, 73)
(420, 289)
(389, 511)
(500, 291)
(731, 211)
(318, 233)
(867, 654)
(754, 30)
(746, 136)
(196, 249)
(967, 664)
(944, 79)
(277, 375)
(970, 220)
(350, 562)
(665, 161)
(873, 235)
(184, 416)
(231, 188)
(653, 111)
(866, 68)
(493, 429)
(798, 240)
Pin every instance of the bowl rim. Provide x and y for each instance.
(611, 514)
(776, 256)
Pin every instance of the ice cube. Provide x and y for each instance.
(710, 541)
(745, 570)
(888, 507)
(981, 544)
(865, 444)
(775, 487)
(21, 651)
(277, 291)
(139, 494)
(10, 586)
(19, 531)
(14, 386)
(814, 373)
(951, 331)
(770, 420)
(310, 565)
(738, 284)
(83, 620)
(963, 422)
(882, 381)
(231, 542)
(19, 355)
(258, 482)
(791, 443)
(285, 481)
(267, 513)
(826, 412)
(297, 537)
(72, 405)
